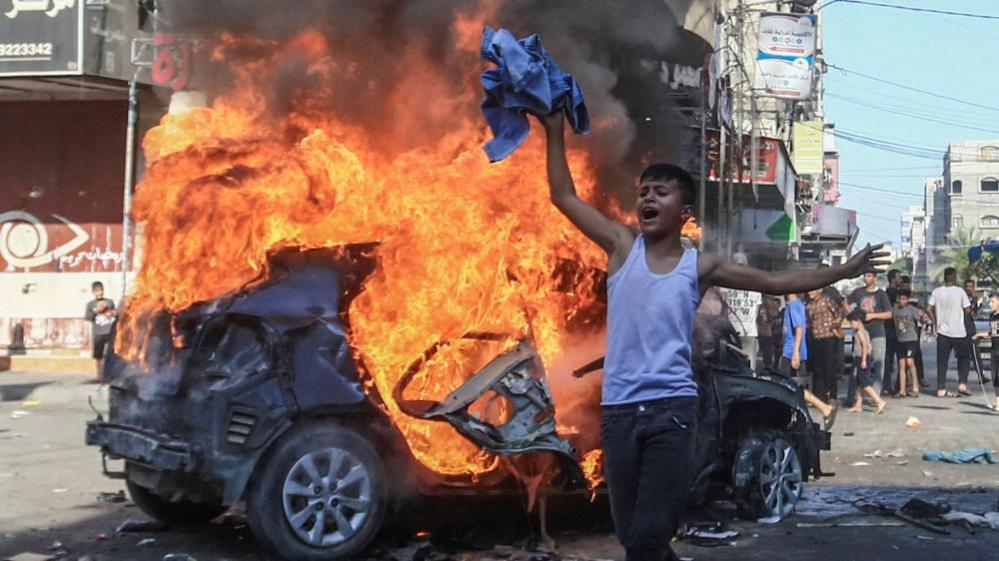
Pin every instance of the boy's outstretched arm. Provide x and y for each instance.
(614, 238)
(715, 272)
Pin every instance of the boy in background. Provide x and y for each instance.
(863, 362)
(906, 319)
(994, 334)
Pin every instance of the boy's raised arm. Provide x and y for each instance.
(614, 238)
(715, 272)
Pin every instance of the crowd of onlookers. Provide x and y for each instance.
(875, 331)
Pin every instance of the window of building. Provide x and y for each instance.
(957, 223)
(990, 153)
(955, 187)
(990, 222)
(990, 185)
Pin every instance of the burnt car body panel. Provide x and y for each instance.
(198, 418)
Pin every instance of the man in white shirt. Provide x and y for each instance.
(743, 306)
(948, 306)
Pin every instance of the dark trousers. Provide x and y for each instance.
(891, 363)
(648, 453)
(919, 364)
(827, 358)
(767, 348)
(962, 349)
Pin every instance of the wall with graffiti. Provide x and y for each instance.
(61, 176)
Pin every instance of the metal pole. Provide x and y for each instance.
(126, 223)
(703, 186)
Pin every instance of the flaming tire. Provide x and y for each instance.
(321, 494)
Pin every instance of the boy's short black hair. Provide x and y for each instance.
(670, 172)
(905, 292)
(856, 315)
(96, 285)
(893, 273)
(906, 279)
(950, 272)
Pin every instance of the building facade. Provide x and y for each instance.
(971, 177)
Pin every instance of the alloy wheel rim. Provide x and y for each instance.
(781, 477)
(327, 496)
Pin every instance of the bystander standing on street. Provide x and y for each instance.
(766, 313)
(796, 352)
(891, 338)
(994, 334)
(949, 305)
(862, 362)
(100, 313)
(924, 321)
(825, 316)
(906, 318)
(877, 311)
(969, 319)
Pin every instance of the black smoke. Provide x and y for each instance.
(607, 45)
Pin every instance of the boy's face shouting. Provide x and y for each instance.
(661, 210)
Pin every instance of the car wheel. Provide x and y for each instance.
(321, 494)
(767, 475)
(176, 513)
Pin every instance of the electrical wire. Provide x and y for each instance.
(912, 9)
(910, 88)
(909, 114)
(879, 190)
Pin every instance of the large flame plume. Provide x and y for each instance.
(311, 142)
(464, 245)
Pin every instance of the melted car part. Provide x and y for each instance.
(517, 376)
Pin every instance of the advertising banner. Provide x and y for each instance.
(40, 37)
(766, 170)
(808, 148)
(786, 54)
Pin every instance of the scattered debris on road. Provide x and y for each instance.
(112, 498)
(18, 413)
(140, 526)
(913, 423)
(146, 542)
(965, 456)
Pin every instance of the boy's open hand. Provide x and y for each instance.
(871, 259)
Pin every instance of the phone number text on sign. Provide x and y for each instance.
(25, 49)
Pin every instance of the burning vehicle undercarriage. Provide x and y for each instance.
(257, 397)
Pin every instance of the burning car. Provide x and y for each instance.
(259, 397)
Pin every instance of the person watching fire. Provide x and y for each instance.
(649, 403)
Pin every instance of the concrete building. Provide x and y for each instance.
(915, 215)
(971, 176)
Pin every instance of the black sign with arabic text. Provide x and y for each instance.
(39, 37)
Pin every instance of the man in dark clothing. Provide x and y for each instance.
(969, 319)
(906, 284)
(874, 302)
(100, 313)
(891, 338)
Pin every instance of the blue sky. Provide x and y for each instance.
(948, 55)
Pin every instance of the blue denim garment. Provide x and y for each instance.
(525, 80)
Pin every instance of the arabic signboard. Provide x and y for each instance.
(766, 170)
(40, 37)
(786, 54)
(808, 149)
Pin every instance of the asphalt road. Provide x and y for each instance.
(49, 484)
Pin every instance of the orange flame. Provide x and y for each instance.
(465, 245)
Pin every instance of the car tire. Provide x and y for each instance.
(767, 475)
(175, 513)
(321, 494)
